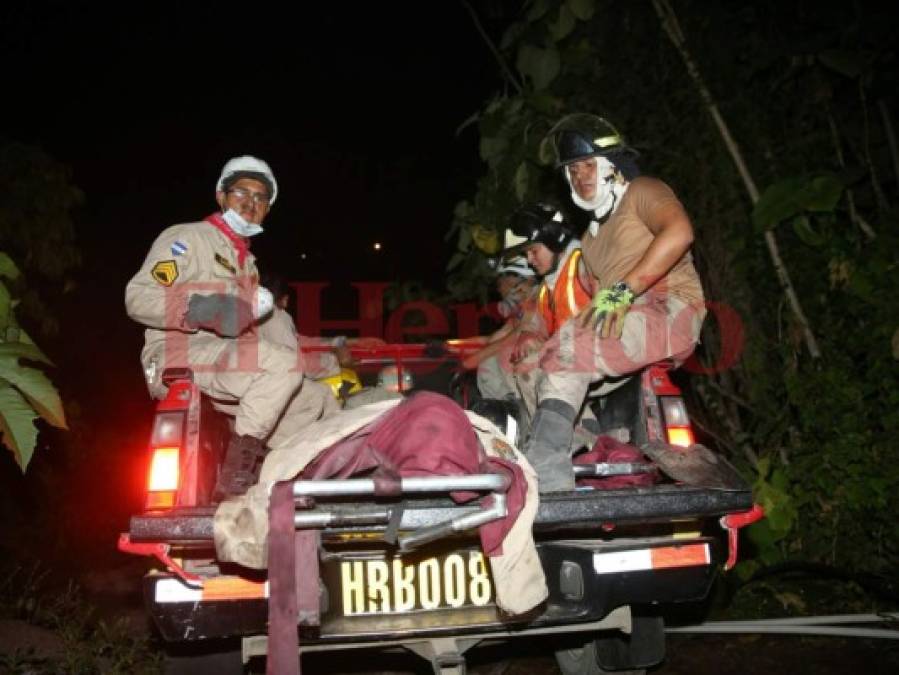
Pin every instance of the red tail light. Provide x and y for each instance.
(162, 485)
(677, 423)
(682, 436)
(165, 460)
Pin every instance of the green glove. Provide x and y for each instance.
(607, 310)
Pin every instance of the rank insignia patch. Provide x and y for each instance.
(224, 263)
(165, 272)
(179, 248)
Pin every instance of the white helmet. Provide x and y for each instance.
(247, 164)
(517, 265)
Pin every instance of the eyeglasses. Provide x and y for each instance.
(257, 197)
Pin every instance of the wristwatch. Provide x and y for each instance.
(622, 287)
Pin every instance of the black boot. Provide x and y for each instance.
(239, 469)
(549, 444)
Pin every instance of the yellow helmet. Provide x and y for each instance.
(344, 384)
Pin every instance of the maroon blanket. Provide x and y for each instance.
(607, 449)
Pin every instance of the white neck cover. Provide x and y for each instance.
(609, 189)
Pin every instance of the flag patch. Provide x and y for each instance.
(179, 248)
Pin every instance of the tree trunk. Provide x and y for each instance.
(672, 28)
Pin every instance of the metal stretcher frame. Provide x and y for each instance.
(495, 508)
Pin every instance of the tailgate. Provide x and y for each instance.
(582, 509)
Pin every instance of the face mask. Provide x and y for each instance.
(608, 191)
(240, 226)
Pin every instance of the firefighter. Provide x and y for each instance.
(648, 304)
(198, 295)
(552, 250)
(541, 231)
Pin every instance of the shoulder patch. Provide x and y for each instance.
(179, 248)
(220, 259)
(165, 272)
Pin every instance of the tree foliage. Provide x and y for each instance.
(36, 231)
(36, 228)
(809, 95)
(26, 393)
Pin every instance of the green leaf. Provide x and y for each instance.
(512, 34)
(777, 203)
(17, 425)
(803, 228)
(545, 152)
(563, 25)
(24, 349)
(763, 467)
(464, 239)
(762, 535)
(582, 9)
(861, 285)
(5, 307)
(544, 102)
(492, 148)
(541, 66)
(746, 568)
(8, 268)
(821, 193)
(846, 63)
(456, 260)
(521, 181)
(36, 387)
(462, 210)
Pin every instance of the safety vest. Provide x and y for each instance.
(567, 298)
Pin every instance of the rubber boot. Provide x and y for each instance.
(239, 468)
(549, 444)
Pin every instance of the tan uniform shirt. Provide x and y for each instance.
(614, 249)
(184, 260)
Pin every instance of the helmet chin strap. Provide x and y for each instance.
(550, 277)
(555, 266)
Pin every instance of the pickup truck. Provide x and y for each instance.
(613, 558)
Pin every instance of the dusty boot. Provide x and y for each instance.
(239, 468)
(549, 444)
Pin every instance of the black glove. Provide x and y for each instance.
(227, 315)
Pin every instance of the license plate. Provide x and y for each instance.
(398, 586)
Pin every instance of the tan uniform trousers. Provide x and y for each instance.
(655, 329)
(527, 376)
(260, 383)
(495, 377)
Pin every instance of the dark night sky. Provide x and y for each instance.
(354, 106)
